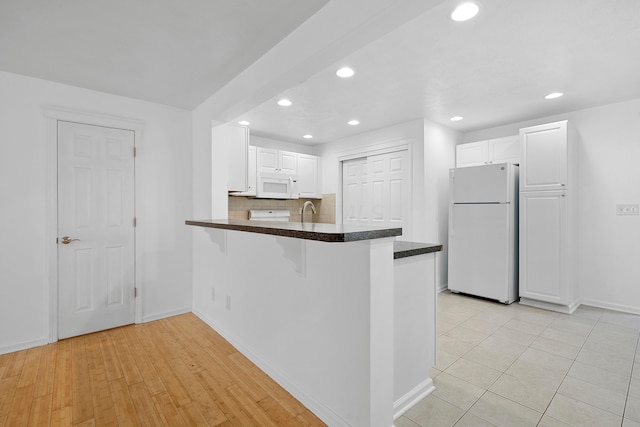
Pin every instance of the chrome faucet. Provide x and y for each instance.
(307, 203)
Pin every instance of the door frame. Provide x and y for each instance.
(53, 114)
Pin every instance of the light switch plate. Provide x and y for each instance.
(627, 210)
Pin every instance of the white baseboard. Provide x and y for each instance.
(318, 408)
(166, 314)
(442, 288)
(560, 308)
(611, 306)
(414, 396)
(23, 345)
(44, 341)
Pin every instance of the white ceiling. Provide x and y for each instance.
(493, 70)
(411, 60)
(166, 51)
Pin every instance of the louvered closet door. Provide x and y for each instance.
(96, 266)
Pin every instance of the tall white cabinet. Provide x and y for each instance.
(548, 220)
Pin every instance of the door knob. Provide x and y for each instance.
(66, 240)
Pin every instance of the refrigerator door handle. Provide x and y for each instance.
(451, 220)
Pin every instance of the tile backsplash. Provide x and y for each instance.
(239, 208)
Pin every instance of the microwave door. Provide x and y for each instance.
(273, 188)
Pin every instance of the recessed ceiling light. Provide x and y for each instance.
(284, 102)
(456, 118)
(554, 95)
(464, 12)
(307, 136)
(353, 122)
(345, 72)
(244, 123)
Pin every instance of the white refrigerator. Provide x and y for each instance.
(483, 231)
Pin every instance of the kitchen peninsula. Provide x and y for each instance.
(334, 313)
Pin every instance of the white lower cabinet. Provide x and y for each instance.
(546, 255)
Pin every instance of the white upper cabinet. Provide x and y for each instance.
(305, 166)
(232, 143)
(251, 174)
(267, 159)
(308, 176)
(498, 150)
(504, 150)
(472, 154)
(270, 160)
(544, 150)
(288, 162)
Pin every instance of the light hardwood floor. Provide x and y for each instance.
(172, 372)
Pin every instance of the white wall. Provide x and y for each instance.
(433, 152)
(609, 174)
(439, 157)
(163, 203)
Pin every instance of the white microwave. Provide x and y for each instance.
(274, 185)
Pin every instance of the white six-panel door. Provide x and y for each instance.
(355, 192)
(377, 190)
(96, 267)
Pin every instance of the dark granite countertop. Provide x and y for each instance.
(309, 231)
(406, 249)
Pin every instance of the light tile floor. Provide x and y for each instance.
(515, 365)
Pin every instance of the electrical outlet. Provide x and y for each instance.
(213, 294)
(228, 303)
(627, 210)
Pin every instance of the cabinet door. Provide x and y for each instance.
(544, 162)
(238, 145)
(288, 162)
(308, 182)
(251, 173)
(267, 160)
(543, 246)
(504, 150)
(472, 154)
